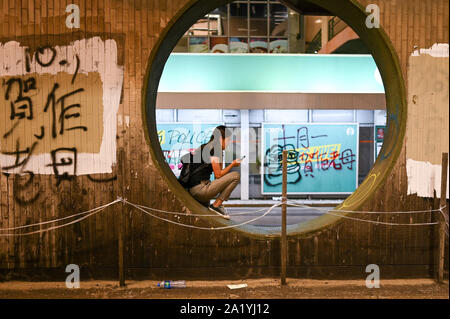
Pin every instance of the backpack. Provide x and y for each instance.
(189, 168)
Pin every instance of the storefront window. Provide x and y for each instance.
(218, 22)
(258, 19)
(198, 44)
(238, 19)
(238, 45)
(278, 20)
(258, 45)
(219, 44)
(240, 27)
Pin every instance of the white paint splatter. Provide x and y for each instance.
(424, 178)
(437, 50)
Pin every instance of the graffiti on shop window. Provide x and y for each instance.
(179, 139)
(307, 156)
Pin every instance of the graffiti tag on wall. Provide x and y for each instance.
(58, 108)
(322, 158)
(177, 139)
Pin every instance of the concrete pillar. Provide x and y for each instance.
(324, 31)
(245, 151)
(296, 32)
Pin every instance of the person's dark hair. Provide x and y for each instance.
(220, 131)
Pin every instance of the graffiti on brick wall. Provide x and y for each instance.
(58, 109)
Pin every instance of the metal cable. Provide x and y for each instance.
(52, 228)
(63, 218)
(377, 222)
(203, 228)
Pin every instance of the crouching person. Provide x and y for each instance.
(200, 185)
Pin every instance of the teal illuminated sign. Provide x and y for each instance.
(285, 73)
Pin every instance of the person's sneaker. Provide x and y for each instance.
(219, 210)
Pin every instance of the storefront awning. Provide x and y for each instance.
(278, 80)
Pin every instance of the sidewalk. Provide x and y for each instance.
(257, 289)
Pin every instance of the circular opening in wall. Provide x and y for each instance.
(286, 98)
(385, 58)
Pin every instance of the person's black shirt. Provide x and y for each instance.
(204, 173)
